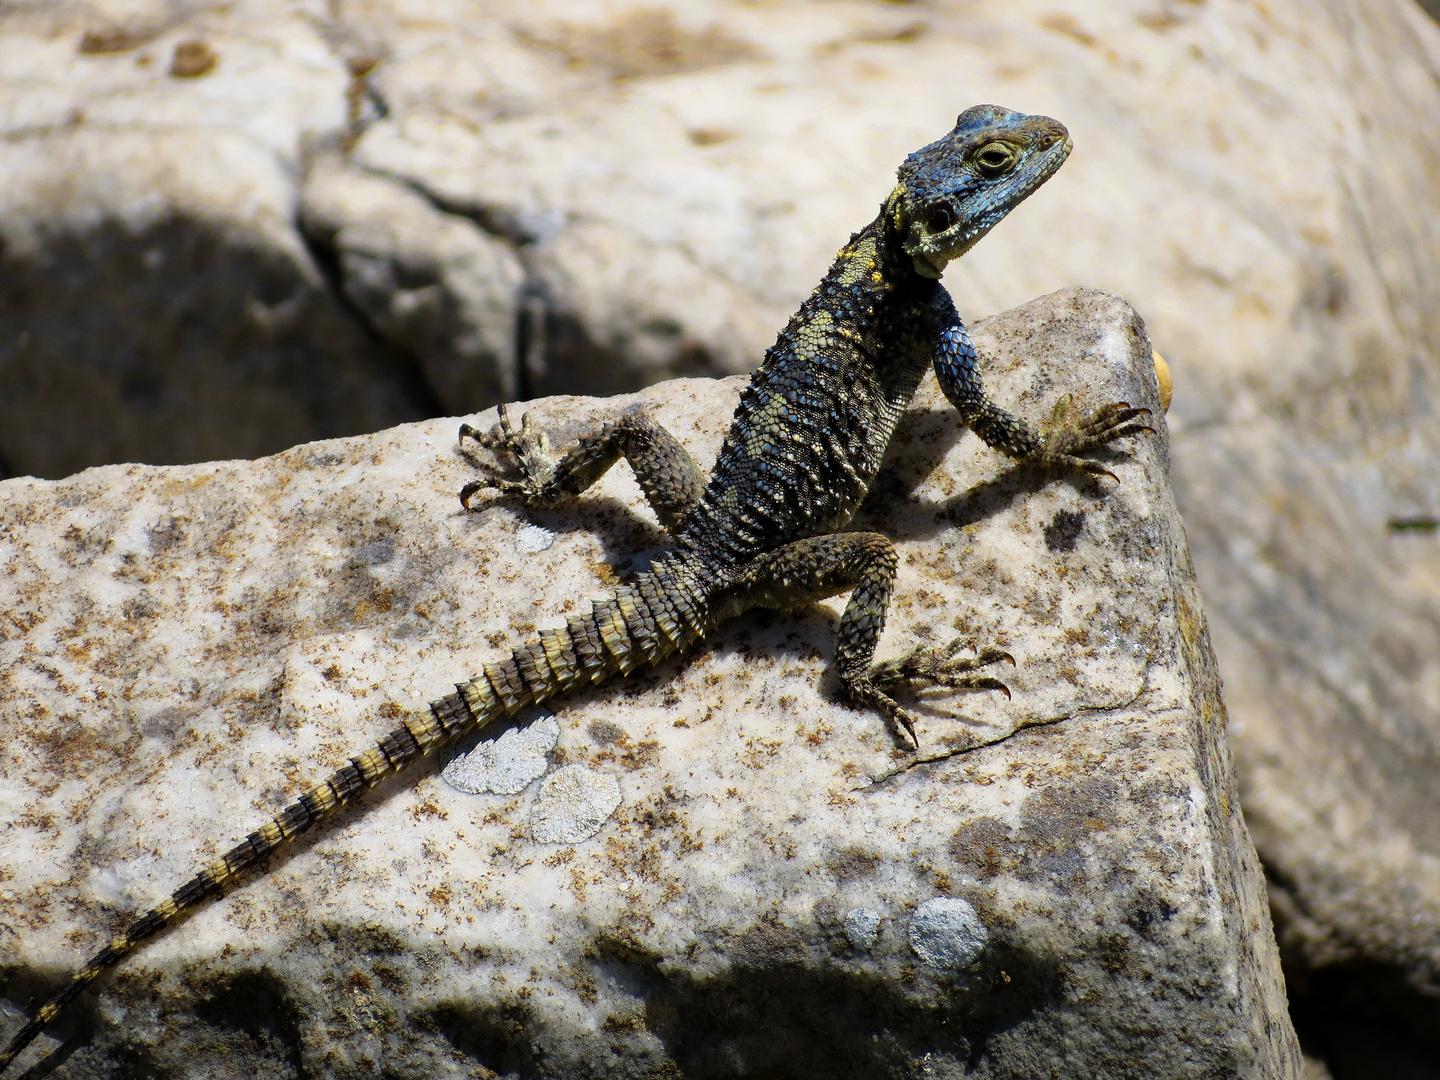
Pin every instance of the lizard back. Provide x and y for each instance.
(814, 422)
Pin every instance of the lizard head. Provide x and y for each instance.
(952, 192)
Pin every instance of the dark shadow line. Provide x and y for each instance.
(417, 387)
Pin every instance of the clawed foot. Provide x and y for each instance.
(526, 450)
(1066, 438)
(937, 666)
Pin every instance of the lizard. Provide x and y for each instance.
(765, 529)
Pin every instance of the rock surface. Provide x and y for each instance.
(156, 299)
(724, 873)
(358, 214)
(430, 283)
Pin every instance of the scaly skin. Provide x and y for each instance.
(763, 531)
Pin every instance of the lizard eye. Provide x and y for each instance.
(994, 158)
(940, 220)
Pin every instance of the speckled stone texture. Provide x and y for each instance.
(366, 213)
(1057, 885)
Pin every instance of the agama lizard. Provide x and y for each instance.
(764, 529)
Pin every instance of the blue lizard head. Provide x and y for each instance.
(952, 192)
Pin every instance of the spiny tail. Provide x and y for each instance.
(641, 623)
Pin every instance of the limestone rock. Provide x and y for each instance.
(666, 183)
(156, 299)
(1293, 470)
(432, 284)
(1059, 884)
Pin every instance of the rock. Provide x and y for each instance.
(433, 285)
(1059, 884)
(862, 928)
(674, 182)
(503, 765)
(947, 935)
(1290, 469)
(179, 321)
(656, 188)
(572, 804)
(156, 298)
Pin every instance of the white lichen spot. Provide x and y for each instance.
(946, 934)
(862, 928)
(572, 805)
(507, 765)
(532, 539)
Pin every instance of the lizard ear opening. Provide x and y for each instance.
(940, 219)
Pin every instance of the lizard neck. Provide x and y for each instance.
(892, 225)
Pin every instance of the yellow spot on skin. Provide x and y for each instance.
(861, 259)
(896, 198)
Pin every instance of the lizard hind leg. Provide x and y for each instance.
(664, 469)
(822, 566)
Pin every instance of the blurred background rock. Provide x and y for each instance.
(229, 228)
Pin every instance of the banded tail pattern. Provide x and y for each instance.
(641, 623)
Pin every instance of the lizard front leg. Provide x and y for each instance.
(1064, 439)
(821, 566)
(665, 470)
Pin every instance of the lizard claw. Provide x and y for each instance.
(470, 489)
(1085, 465)
(1066, 439)
(991, 684)
(527, 450)
(935, 666)
(904, 720)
